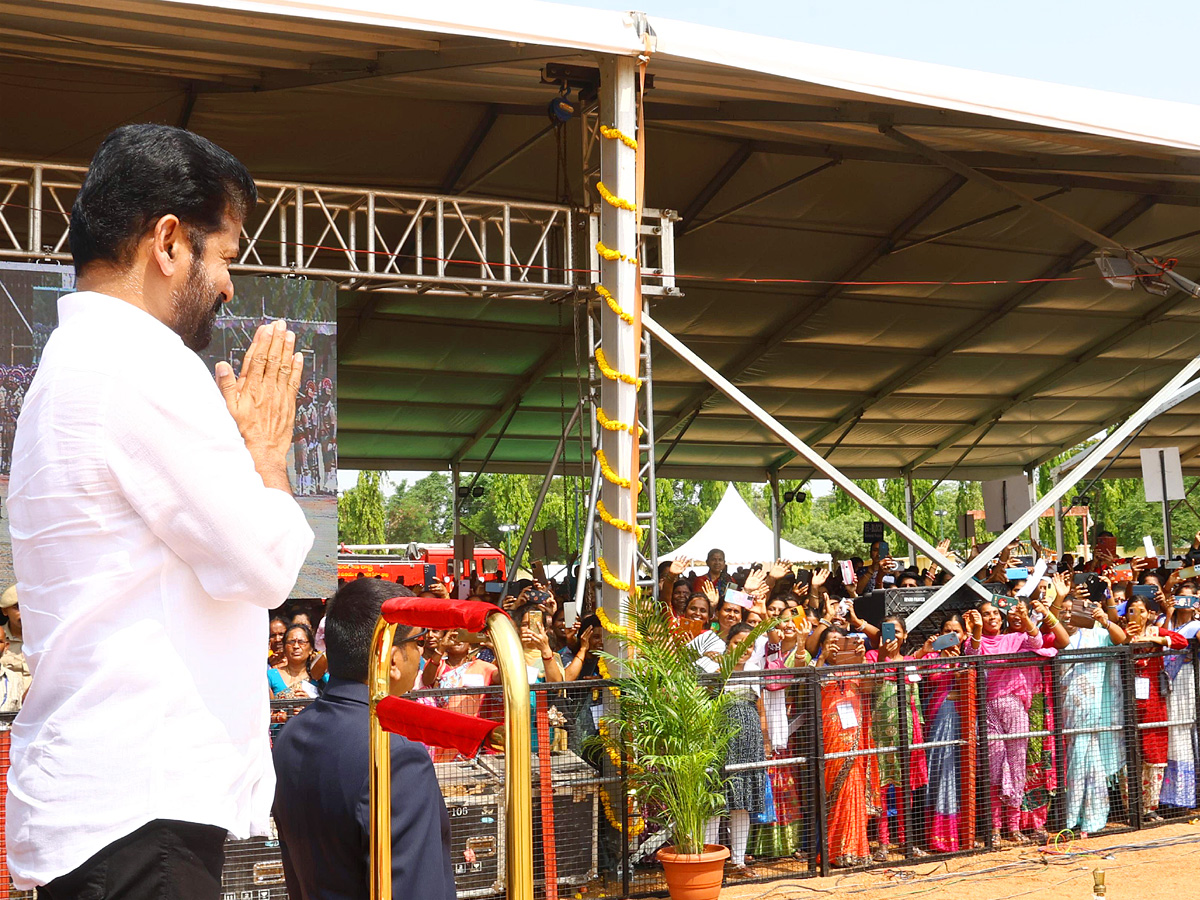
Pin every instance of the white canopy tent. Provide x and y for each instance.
(734, 528)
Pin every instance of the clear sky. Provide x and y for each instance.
(1134, 48)
(1140, 49)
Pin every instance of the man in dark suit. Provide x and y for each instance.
(322, 806)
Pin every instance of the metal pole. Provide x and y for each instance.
(585, 550)
(537, 504)
(908, 515)
(821, 835)
(1166, 507)
(456, 521)
(1058, 519)
(619, 400)
(726, 387)
(904, 794)
(776, 513)
(35, 211)
(1035, 531)
(965, 576)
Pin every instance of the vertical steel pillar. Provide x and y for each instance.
(456, 520)
(35, 211)
(1058, 518)
(1035, 528)
(908, 516)
(1166, 506)
(776, 513)
(618, 231)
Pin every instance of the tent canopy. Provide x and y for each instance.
(734, 528)
(898, 315)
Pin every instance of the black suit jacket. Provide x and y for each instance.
(322, 806)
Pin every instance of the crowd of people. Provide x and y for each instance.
(881, 800)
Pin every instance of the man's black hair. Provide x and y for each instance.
(141, 173)
(350, 624)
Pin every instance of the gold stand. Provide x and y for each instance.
(518, 789)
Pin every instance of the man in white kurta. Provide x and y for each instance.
(152, 527)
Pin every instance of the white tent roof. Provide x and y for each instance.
(734, 528)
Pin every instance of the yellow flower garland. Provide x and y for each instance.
(615, 134)
(612, 255)
(612, 199)
(612, 374)
(612, 424)
(626, 317)
(607, 471)
(636, 823)
(609, 578)
(634, 529)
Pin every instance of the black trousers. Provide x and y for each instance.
(162, 860)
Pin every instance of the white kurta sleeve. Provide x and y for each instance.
(177, 455)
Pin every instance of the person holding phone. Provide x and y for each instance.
(851, 783)
(1041, 772)
(885, 724)
(1091, 692)
(781, 839)
(745, 789)
(950, 690)
(583, 661)
(542, 663)
(1149, 677)
(1179, 778)
(450, 665)
(698, 609)
(1009, 696)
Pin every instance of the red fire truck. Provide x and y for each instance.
(415, 564)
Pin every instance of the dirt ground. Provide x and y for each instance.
(1157, 863)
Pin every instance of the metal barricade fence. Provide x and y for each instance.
(841, 767)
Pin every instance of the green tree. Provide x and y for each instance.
(840, 535)
(360, 511)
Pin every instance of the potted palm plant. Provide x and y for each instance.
(670, 723)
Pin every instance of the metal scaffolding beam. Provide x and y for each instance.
(366, 239)
(726, 387)
(965, 576)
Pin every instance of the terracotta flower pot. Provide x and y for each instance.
(694, 876)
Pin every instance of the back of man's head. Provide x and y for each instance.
(350, 624)
(141, 173)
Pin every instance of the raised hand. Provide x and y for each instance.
(756, 579)
(780, 568)
(710, 594)
(974, 622)
(678, 566)
(1061, 588)
(819, 577)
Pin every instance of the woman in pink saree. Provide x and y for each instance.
(1009, 696)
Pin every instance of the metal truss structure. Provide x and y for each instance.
(371, 239)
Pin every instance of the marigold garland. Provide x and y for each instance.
(637, 824)
(612, 374)
(621, 524)
(612, 628)
(626, 317)
(613, 425)
(616, 134)
(613, 200)
(613, 255)
(607, 471)
(609, 578)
